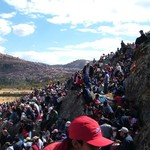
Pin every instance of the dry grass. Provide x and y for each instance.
(7, 99)
(13, 91)
(10, 98)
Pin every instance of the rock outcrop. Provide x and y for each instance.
(138, 93)
(72, 106)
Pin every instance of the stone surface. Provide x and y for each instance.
(138, 92)
(72, 106)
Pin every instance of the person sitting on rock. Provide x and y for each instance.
(141, 39)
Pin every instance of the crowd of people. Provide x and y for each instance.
(33, 122)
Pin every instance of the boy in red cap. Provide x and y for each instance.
(84, 134)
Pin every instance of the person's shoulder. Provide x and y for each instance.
(63, 145)
(129, 138)
(52, 146)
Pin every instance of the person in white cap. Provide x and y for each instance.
(127, 142)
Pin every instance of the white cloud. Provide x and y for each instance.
(127, 29)
(88, 30)
(23, 29)
(18, 4)
(8, 15)
(2, 49)
(114, 18)
(5, 27)
(62, 30)
(51, 57)
(66, 54)
(86, 12)
(105, 44)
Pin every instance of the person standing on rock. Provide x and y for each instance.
(88, 72)
(106, 82)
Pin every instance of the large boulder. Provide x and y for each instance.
(72, 106)
(138, 92)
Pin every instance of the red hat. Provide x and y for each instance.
(88, 130)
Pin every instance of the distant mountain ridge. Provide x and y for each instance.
(78, 64)
(17, 72)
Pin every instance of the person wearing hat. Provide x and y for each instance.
(37, 143)
(27, 143)
(84, 134)
(127, 140)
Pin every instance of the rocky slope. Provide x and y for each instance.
(138, 92)
(73, 105)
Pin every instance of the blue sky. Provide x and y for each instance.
(61, 31)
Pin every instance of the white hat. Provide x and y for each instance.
(55, 131)
(124, 129)
(67, 124)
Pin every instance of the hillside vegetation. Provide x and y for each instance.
(15, 72)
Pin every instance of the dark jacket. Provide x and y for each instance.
(127, 143)
(141, 39)
(91, 71)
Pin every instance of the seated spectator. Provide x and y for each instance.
(78, 82)
(127, 140)
(5, 137)
(118, 100)
(84, 133)
(140, 39)
(96, 100)
(107, 109)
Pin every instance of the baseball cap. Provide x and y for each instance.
(28, 139)
(124, 129)
(67, 124)
(55, 131)
(88, 130)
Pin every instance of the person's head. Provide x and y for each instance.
(85, 134)
(5, 132)
(87, 63)
(97, 96)
(35, 139)
(123, 132)
(141, 32)
(67, 124)
(28, 139)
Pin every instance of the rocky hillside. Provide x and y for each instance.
(18, 72)
(138, 92)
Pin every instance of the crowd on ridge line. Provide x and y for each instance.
(119, 120)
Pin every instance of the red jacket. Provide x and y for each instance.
(35, 147)
(57, 146)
